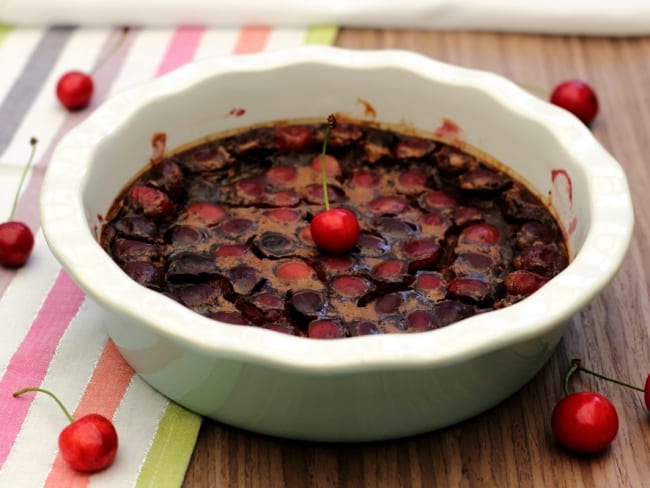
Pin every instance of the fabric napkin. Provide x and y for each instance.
(592, 17)
(51, 336)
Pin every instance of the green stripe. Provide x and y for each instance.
(322, 34)
(4, 30)
(171, 449)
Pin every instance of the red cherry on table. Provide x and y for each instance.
(646, 392)
(578, 98)
(16, 243)
(87, 444)
(335, 230)
(75, 89)
(584, 422)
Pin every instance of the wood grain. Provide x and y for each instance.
(510, 445)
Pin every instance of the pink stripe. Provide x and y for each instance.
(251, 40)
(181, 48)
(30, 362)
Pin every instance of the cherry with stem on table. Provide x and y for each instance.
(75, 88)
(587, 421)
(88, 444)
(16, 238)
(334, 230)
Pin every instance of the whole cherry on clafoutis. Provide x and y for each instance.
(334, 230)
(587, 421)
(578, 98)
(87, 444)
(75, 88)
(16, 238)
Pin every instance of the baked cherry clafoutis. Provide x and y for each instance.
(223, 228)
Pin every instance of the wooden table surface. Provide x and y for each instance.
(510, 445)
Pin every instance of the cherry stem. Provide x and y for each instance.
(33, 142)
(576, 366)
(112, 50)
(331, 123)
(47, 392)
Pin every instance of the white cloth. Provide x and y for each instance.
(585, 17)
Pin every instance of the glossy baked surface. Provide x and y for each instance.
(224, 229)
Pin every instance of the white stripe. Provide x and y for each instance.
(9, 180)
(136, 421)
(284, 38)
(217, 43)
(142, 61)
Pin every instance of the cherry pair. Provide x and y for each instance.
(587, 421)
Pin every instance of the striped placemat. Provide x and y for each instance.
(50, 335)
